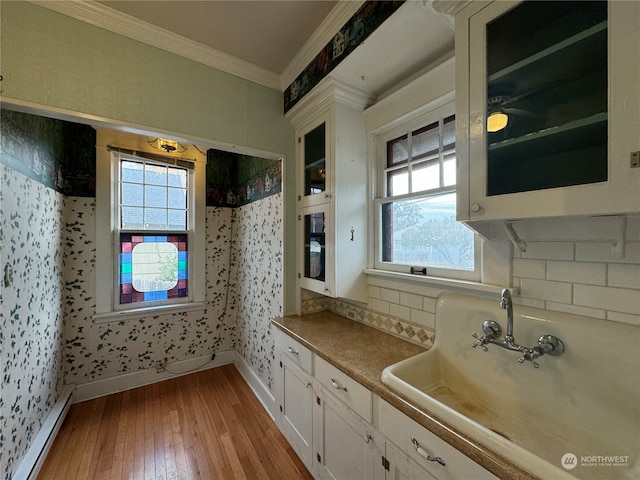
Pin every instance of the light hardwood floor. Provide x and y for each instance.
(207, 425)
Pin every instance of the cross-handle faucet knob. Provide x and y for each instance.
(479, 342)
(530, 355)
(491, 331)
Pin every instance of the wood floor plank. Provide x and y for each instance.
(205, 426)
(129, 426)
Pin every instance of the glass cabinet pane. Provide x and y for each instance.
(547, 79)
(314, 246)
(315, 161)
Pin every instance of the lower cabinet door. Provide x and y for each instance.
(345, 445)
(400, 467)
(297, 409)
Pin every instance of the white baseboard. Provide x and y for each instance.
(34, 458)
(120, 383)
(266, 398)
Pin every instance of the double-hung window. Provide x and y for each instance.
(150, 214)
(416, 209)
(154, 228)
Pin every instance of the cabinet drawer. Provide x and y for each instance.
(354, 395)
(293, 349)
(402, 431)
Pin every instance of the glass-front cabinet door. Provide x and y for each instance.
(314, 246)
(313, 151)
(317, 250)
(546, 87)
(546, 96)
(315, 159)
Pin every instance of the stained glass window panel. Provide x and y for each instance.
(153, 267)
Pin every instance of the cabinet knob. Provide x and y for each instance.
(475, 207)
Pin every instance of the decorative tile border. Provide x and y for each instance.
(395, 326)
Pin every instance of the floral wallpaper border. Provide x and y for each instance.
(262, 185)
(61, 155)
(369, 17)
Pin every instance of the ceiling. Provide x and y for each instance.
(271, 42)
(265, 33)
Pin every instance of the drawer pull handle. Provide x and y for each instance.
(295, 352)
(308, 384)
(367, 438)
(336, 386)
(423, 453)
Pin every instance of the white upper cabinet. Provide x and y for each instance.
(331, 164)
(565, 76)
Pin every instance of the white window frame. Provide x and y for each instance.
(381, 139)
(118, 157)
(108, 307)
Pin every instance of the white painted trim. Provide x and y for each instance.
(109, 19)
(34, 458)
(388, 279)
(337, 18)
(431, 90)
(327, 92)
(261, 391)
(120, 315)
(121, 383)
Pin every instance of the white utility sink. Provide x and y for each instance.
(585, 402)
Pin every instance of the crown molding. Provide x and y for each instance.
(449, 7)
(329, 91)
(337, 18)
(103, 17)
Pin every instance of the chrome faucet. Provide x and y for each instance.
(546, 343)
(507, 304)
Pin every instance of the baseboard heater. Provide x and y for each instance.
(34, 458)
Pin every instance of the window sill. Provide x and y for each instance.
(462, 286)
(137, 313)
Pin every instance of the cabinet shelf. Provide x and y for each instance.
(317, 164)
(558, 47)
(556, 130)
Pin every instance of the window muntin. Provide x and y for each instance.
(153, 229)
(416, 213)
(153, 196)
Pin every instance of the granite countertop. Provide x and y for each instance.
(362, 352)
